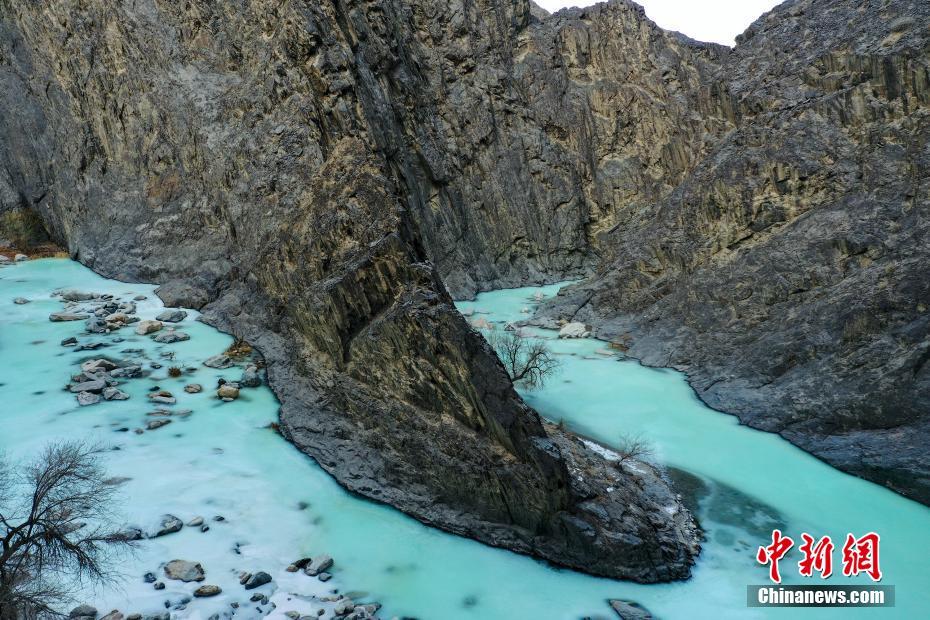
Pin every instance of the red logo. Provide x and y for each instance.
(860, 555)
(773, 553)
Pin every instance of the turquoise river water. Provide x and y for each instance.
(279, 505)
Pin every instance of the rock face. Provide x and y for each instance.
(299, 170)
(786, 274)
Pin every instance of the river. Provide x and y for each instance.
(278, 505)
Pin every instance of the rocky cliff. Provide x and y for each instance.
(786, 272)
(297, 170)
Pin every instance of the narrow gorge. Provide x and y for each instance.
(322, 179)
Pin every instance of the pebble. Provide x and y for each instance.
(195, 522)
(19, 301)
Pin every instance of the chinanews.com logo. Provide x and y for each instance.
(859, 556)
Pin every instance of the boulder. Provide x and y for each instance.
(344, 606)
(97, 365)
(171, 336)
(171, 316)
(629, 610)
(250, 377)
(112, 393)
(220, 361)
(83, 611)
(58, 317)
(257, 580)
(152, 425)
(182, 570)
(96, 386)
(69, 342)
(193, 388)
(87, 398)
(20, 258)
(207, 591)
(319, 564)
(73, 295)
(96, 325)
(574, 330)
(228, 392)
(4, 260)
(145, 328)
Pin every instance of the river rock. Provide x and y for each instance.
(152, 425)
(250, 377)
(4, 260)
(228, 392)
(148, 327)
(83, 611)
(195, 522)
(96, 386)
(87, 398)
(57, 317)
(482, 323)
(113, 615)
(629, 610)
(162, 397)
(182, 570)
(319, 564)
(128, 372)
(193, 388)
(98, 365)
(220, 361)
(19, 301)
(20, 258)
(171, 316)
(74, 295)
(112, 393)
(96, 325)
(257, 580)
(574, 330)
(343, 606)
(207, 591)
(169, 525)
(171, 336)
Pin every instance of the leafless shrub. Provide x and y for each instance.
(526, 359)
(56, 529)
(633, 447)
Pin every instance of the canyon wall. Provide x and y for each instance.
(287, 167)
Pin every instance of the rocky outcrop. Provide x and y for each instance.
(294, 170)
(786, 273)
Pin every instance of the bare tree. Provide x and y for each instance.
(633, 447)
(56, 529)
(526, 359)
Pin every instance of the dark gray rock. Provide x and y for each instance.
(257, 580)
(629, 610)
(169, 523)
(218, 361)
(87, 398)
(83, 611)
(171, 316)
(170, 336)
(67, 316)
